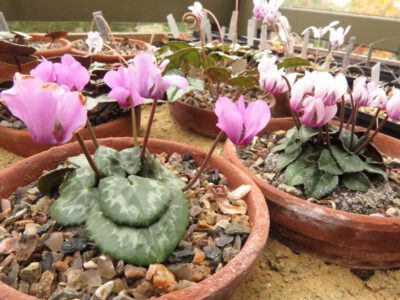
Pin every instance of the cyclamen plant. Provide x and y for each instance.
(320, 155)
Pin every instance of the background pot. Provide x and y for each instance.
(20, 141)
(219, 286)
(107, 58)
(348, 239)
(199, 120)
(65, 46)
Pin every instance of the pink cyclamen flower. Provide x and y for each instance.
(259, 9)
(272, 78)
(241, 123)
(141, 80)
(69, 73)
(271, 12)
(51, 112)
(197, 9)
(315, 96)
(336, 36)
(393, 106)
(368, 93)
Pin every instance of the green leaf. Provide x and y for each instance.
(345, 138)
(141, 246)
(130, 160)
(306, 133)
(219, 55)
(196, 83)
(136, 201)
(318, 184)
(77, 161)
(293, 62)
(178, 45)
(77, 196)
(356, 182)
(92, 102)
(349, 163)
(374, 169)
(292, 146)
(328, 164)
(279, 148)
(295, 172)
(190, 56)
(285, 159)
(218, 74)
(49, 183)
(151, 168)
(243, 81)
(107, 161)
(174, 93)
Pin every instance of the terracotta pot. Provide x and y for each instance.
(7, 71)
(219, 286)
(348, 239)
(199, 120)
(107, 58)
(65, 46)
(20, 141)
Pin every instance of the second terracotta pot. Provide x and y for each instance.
(219, 286)
(20, 141)
(348, 239)
(63, 46)
(108, 58)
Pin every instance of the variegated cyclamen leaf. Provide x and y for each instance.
(77, 196)
(150, 168)
(133, 201)
(141, 246)
(171, 180)
(130, 160)
(107, 161)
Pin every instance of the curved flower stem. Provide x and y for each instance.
(148, 129)
(359, 149)
(373, 121)
(342, 109)
(352, 67)
(88, 156)
(91, 133)
(205, 161)
(218, 27)
(292, 113)
(353, 125)
(350, 120)
(134, 127)
(190, 20)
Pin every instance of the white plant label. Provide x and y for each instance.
(223, 31)
(3, 23)
(207, 30)
(376, 73)
(251, 31)
(264, 37)
(173, 26)
(350, 47)
(101, 25)
(232, 25)
(306, 40)
(369, 55)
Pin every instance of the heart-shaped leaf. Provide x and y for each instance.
(293, 62)
(328, 164)
(356, 182)
(318, 184)
(108, 162)
(218, 74)
(349, 163)
(49, 183)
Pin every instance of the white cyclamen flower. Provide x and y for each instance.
(94, 42)
(197, 9)
(336, 36)
(321, 31)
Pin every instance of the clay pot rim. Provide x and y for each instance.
(24, 133)
(65, 45)
(230, 153)
(108, 56)
(238, 266)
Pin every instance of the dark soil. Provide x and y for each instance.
(382, 198)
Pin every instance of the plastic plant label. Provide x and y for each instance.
(306, 40)
(232, 30)
(173, 26)
(376, 73)
(207, 30)
(223, 31)
(3, 23)
(350, 47)
(369, 55)
(251, 31)
(264, 37)
(101, 25)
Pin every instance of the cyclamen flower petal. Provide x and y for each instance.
(94, 42)
(69, 73)
(259, 9)
(393, 106)
(197, 9)
(241, 123)
(51, 113)
(141, 80)
(271, 78)
(336, 36)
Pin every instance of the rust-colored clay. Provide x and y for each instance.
(348, 239)
(219, 286)
(65, 46)
(199, 120)
(20, 141)
(107, 58)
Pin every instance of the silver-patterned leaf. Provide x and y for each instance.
(107, 161)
